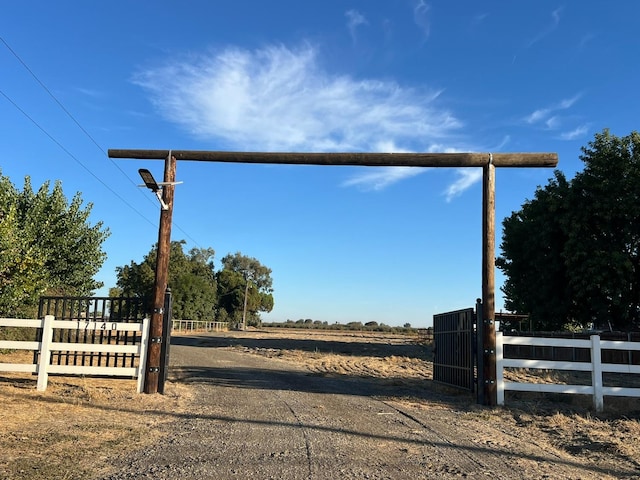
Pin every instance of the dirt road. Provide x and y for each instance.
(261, 418)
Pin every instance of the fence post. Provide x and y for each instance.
(596, 373)
(45, 352)
(499, 370)
(142, 366)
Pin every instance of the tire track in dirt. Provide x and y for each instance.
(305, 435)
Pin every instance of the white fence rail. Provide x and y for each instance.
(46, 345)
(596, 367)
(198, 326)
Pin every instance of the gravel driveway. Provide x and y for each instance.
(260, 418)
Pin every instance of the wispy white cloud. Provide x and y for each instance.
(502, 144)
(421, 17)
(553, 122)
(538, 115)
(568, 102)
(479, 18)
(545, 114)
(575, 133)
(91, 92)
(380, 178)
(466, 177)
(281, 99)
(354, 20)
(555, 22)
(585, 40)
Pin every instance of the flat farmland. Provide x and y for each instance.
(285, 403)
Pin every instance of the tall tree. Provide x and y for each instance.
(46, 245)
(571, 254)
(245, 289)
(601, 253)
(191, 279)
(532, 257)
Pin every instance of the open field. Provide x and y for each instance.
(79, 426)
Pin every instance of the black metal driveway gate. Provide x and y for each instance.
(454, 356)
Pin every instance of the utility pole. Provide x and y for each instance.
(244, 309)
(162, 274)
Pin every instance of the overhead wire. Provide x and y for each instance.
(84, 131)
(64, 149)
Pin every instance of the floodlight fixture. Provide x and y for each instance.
(148, 180)
(154, 186)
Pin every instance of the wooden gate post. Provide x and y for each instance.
(152, 374)
(488, 283)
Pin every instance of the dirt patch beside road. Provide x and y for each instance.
(299, 404)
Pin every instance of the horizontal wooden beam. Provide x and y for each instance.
(353, 159)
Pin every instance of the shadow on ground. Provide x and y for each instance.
(255, 373)
(360, 347)
(267, 379)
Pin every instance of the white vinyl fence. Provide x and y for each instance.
(46, 345)
(186, 326)
(596, 367)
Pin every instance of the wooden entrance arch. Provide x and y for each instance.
(487, 161)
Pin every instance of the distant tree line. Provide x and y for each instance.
(237, 293)
(371, 326)
(571, 254)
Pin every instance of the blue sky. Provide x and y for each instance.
(393, 245)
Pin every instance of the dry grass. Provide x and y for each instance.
(71, 430)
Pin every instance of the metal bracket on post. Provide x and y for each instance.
(163, 205)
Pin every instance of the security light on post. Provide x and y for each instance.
(154, 186)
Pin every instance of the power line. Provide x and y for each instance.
(86, 133)
(65, 150)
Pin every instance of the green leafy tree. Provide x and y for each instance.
(601, 253)
(47, 245)
(533, 245)
(244, 289)
(61, 230)
(191, 279)
(22, 273)
(570, 255)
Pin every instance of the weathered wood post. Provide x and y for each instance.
(154, 352)
(489, 391)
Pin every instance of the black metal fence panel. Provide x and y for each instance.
(102, 310)
(454, 348)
